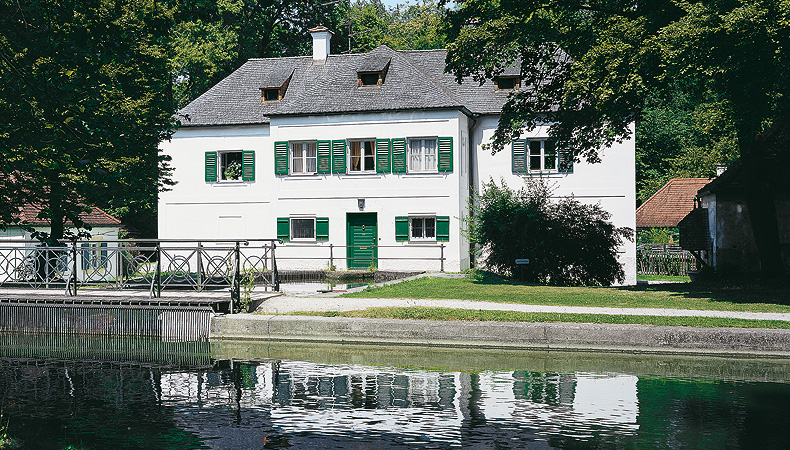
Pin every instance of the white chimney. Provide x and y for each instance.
(321, 38)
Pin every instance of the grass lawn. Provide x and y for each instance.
(683, 278)
(423, 313)
(745, 296)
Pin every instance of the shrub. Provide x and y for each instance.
(567, 242)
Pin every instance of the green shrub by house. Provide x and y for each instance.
(567, 242)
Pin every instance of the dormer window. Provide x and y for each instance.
(275, 84)
(271, 95)
(372, 70)
(370, 79)
(506, 83)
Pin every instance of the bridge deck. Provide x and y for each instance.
(218, 299)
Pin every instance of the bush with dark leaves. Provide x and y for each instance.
(567, 242)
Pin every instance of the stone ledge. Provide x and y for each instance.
(518, 335)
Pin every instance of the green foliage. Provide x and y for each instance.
(566, 242)
(592, 68)
(656, 236)
(405, 27)
(6, 441)
(233, 171)
(84, 104)
(683, 137)
(211, 39)
(247, 284)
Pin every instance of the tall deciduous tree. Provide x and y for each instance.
(404, 27)
(210, 39)
(591, 65)
(84, 102)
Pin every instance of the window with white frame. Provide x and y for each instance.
(362, 156)
(303, 157)
(542, 155)
(422, 228)
(230, 166)
(303, 228)
(422, 155)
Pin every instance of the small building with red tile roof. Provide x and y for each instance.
(670, 204)
(95, 218)
(103, 225)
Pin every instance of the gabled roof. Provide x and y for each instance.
(415, 80)
(670, 204)
(95, 218)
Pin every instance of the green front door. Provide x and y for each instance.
(361, 238)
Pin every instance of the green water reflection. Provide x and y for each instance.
(262, 395)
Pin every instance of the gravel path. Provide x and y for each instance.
(285, 304)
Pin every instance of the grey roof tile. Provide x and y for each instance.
(276, 78)
(374, 63)
(415, 80)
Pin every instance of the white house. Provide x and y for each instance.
(372, 154)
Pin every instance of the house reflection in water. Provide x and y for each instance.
(306, 398)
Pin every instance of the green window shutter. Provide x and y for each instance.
(383, 155)
(445, 154)
(339, 156)
(211, 166)
(283, 229)
(281, 158)
(401, 228)
(324, 156)
(565, 162)
(248, 166)
(322, 228)
(519, 157)
(443, 228)
(398, 155)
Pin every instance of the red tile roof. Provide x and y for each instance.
(670, 204)
(95, 218)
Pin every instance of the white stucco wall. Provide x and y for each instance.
(610, 182)
(197, 209)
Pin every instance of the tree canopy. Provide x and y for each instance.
(84, 102)
(405, 27)
(210, 39)
(594, 67)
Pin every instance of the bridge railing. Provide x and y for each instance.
(153, 264)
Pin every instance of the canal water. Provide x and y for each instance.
(300, 396)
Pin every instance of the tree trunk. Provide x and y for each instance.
(56, 216)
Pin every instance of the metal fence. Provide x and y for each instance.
(334, 253)
(131, 263)
(661, 259)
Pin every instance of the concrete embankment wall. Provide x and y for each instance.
(540, 336)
